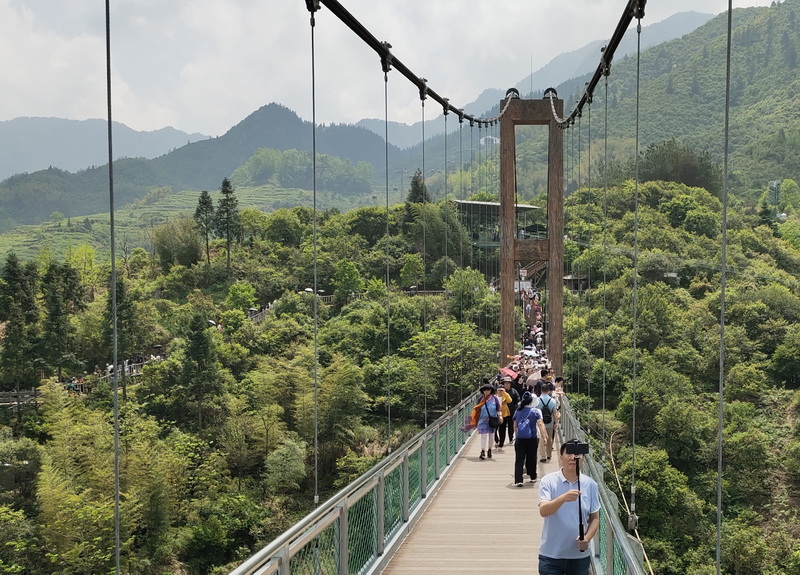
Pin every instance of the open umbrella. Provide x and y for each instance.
(508, 372)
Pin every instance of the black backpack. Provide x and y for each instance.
(547, 415)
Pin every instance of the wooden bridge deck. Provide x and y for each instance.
(478, 522)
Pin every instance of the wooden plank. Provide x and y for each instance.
(478, 522)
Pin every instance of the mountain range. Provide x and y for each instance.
(33, 144)
(682, 89)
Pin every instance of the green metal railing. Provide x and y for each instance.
(357, 530)
(615, 551)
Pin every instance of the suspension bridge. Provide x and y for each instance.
(430, 503)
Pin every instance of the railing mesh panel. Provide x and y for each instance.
(620, 568)
(414, 479)
(319, 556)
(362, 543)
(602, 534)
(392, 502)
(443, 440)
(453, 436)
(431, 463)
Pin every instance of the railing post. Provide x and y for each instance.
(344, 557)
(379, 515)
(285, 561)
(406, 488)
(423, 468)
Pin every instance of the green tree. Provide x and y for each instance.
(227, 221)
(241, 296)
(284, 228)
(204, 219)
(674, 162)
(62, 294)
(177, 242)
(285, 467)
(347, 280)
(412, 272)
(201, 377)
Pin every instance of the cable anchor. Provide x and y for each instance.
(386, 58)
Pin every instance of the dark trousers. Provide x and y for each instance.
(500, 432)
(525, 450)
(549, 566)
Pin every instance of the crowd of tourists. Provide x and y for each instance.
(521, 406)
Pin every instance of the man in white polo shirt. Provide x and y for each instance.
(561, 494)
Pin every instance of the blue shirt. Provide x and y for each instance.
(560, 532)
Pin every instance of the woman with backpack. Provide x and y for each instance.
(528, 428)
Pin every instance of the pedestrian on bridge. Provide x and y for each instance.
(505, 412)
(529, 428)
(562, 494)
(487, 407)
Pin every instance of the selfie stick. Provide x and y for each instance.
(580, 512)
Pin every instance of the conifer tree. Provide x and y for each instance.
(227, 220)
(204, 218)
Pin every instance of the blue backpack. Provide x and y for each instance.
(524, 430)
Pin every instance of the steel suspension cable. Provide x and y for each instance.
(723, 281)
(423, 93)
(461, 250)
(633, 520)
(445, 213)
(589, 240)
(386, 67)
(578, 362)
(605, 262)
(114, 323)
(312, 8)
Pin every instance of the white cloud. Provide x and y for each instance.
(205, 65)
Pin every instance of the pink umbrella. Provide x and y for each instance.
(508, 372)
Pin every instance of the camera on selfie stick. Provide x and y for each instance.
(577, 448)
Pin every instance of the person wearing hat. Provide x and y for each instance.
(487, 407)
(508, 405)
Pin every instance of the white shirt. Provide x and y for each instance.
(560, 531)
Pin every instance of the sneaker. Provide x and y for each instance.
(489, 454)
(519, 484)
(483, 454)
(533, 480)
(542, 460)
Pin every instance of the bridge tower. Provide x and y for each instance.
(551, 249)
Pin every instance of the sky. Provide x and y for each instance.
(204, 65)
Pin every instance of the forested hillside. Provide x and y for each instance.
(217, 436)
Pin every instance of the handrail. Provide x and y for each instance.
(615, 543)
(446, 435)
